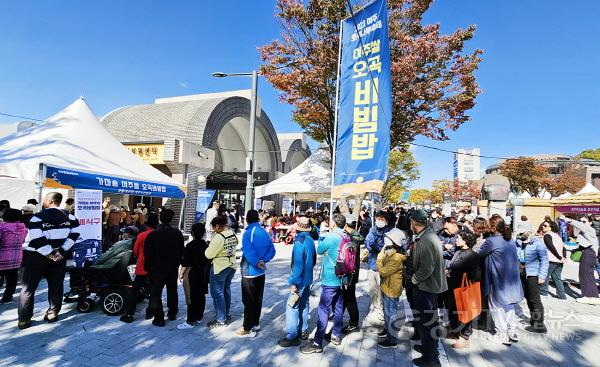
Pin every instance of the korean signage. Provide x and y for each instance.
(65, 178)
(365, 103)
(577, 209)
(88, 211)
(202, 203)
(150, 153)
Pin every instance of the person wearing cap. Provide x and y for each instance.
(141, 276)
(304, 258)
(27, 213)
(350, 290)
(533, 257)
(429, 279)
(257, 251)
(390, 263)
(331, 290)
(374, 244)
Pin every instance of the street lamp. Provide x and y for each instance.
(249, 201)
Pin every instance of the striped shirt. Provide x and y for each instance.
(52, 229)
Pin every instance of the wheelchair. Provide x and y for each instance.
(107, 287)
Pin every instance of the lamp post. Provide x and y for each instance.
(249, 200)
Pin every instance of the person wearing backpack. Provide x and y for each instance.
(331, 290)
(350, 291)
(390, 263)
(374, 244)
(221, 250)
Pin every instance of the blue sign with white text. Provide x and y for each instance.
(57, 177)
(203, 203)
(365, 103)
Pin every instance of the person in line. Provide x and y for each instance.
(556, 257)
(139, 219)
(390, 263)
(141, 276)
(70, 206)
(195, 274)
(304, 258)
(350, 289)
(331, 290)
(502, 283)
(465, 261)
(110, 258)
(437, 220)
(374, 244)
(4, 206)
(27, 213)
(12, 237)
(257, 251)
(52, 233)
(113, 225)
(163, 250)
(588, 243)
(211, 213)
(429, 279)
(533, 257)
(365, 222)
(221, 251)
(481, 228)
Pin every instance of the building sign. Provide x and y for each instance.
(150, 153)
(365, 103)
(88, 210)
(578, 209)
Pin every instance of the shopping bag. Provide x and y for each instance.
(468, 300)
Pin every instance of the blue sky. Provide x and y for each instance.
(539, 77)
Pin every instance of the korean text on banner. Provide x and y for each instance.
(88, 211)
(202, 203)
(365, 103)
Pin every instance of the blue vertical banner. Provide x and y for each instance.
(365, 103)
(202, 203)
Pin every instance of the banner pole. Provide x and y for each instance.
(335, 120)
(42, 178)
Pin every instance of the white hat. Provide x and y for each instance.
(28, 208)
(397, 236)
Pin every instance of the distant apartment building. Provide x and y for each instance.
(467, 165)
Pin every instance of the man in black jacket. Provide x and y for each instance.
(163, 250)
(52, 233)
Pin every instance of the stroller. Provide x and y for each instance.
(108, 287)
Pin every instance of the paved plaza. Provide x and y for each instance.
(99, 340)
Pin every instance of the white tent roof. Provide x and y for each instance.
(311, 180)
(72, 139)
(588, 189)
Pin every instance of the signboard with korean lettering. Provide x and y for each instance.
(88, 211)
(70, 179)
(365, 103)
(203, 201)
(150, 153)
(579, 209)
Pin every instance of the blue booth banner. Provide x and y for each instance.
(203, 203)
(365, 103)
(70, 179)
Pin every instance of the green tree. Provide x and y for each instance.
(417, 196)
(403, 169)
(433, 78)
(590, 154)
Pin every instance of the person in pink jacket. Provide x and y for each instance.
(12, 236)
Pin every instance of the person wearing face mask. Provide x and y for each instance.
(374, 243)
(437, 220)
(533, 258)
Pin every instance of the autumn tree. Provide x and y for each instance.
(571, 180)
(433, 79)
(590, 154)
(418, 196)
(402, 171)
(525, 175)
(457, 190)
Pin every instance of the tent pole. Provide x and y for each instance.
(182, 211)
(42, 178)
(335, 123)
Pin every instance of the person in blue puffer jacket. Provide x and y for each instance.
(374, 244)
(533, 257)
(257, 251)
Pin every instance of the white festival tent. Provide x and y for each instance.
(310, 181)
(588, 189)
(81, 153)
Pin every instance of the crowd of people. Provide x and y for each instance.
(424, 255)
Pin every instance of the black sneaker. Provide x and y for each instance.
(418, 348)
(51, 318)
(382, 334)
(216, 324)
(349, 329)
(286, 343)
(311, 348)
(127, 319)
(6, 301)
(422, 362)
(533, 329)
(158, 322)
(148, 314)
(327, 337)
(228, 319)
(24, 324)
(304, 335)
(335, 340)
(386, 344)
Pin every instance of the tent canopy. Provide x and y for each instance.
(311, 180)
(78, 152)
(588, 189)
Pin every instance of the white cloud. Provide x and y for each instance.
(182, 85)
